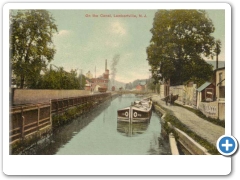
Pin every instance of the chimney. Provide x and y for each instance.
(105, 65)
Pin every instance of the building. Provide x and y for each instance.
(141, 86)
(206, 92)
(101, 82)
(220, 83)
(89, 75)
(211, 96)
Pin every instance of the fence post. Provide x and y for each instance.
(50, 112)
(57, 106)
(23, 124)
(38, 117)
(62, 106)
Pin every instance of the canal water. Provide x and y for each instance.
(99, 133)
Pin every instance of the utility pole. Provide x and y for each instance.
(80, 78)
(217, 51)
(217, 56)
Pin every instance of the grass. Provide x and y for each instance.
(68, 115)
(169, 117)
(201, 115)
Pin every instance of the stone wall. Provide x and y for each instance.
(25, 96)
(162, 91)
(221, 110)
(187, 94)
(210, 109)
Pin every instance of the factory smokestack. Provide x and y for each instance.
(105, 64)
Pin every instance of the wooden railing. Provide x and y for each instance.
(29, 118)
(60, 105)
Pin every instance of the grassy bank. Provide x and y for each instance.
(201, 115)
(69, 114)
(169, 117)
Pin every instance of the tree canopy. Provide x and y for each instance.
(58, 78)
(31, 45)
(181, 39)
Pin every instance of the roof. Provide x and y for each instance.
(142, 83)
(202, 87)
(213, 63)
(219, 69)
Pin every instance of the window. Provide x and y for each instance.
(221, 91)
(209, 94)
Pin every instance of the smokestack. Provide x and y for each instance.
(105, 64)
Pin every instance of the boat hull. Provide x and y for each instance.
(102, 89)
(140, 111)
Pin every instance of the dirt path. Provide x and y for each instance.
(201, 127)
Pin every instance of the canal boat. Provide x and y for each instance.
(139, 111)
(102, 89)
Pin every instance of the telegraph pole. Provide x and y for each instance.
(80, 78)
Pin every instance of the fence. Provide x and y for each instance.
(215, 109)
(60, 105)
(30, 118)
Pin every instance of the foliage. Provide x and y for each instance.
(132, 85)
(151, 85)
(175, 122)
(31, 46)
(169, 117)
(82, 81)
(60, 79)
(180, 41)
(128, 86)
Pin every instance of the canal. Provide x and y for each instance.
(98, 133)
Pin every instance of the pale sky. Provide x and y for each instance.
(85, 42)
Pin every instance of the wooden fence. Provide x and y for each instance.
(27, 119)
(30, 118)
(60, 105)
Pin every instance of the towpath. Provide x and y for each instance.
(201, 127)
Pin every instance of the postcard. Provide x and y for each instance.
(110, 89)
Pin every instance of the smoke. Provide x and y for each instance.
(113, 66)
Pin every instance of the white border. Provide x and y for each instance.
(114, 165)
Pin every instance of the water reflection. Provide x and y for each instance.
(64, 134)
(99, 133)
(131, 129)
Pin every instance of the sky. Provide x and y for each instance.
(85, 41)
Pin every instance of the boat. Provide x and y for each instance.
(139, 111)
(102, 89)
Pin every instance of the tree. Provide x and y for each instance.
(31, 46)
(81, 81)
(60, 79)
(180, 41)
(151, 84)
